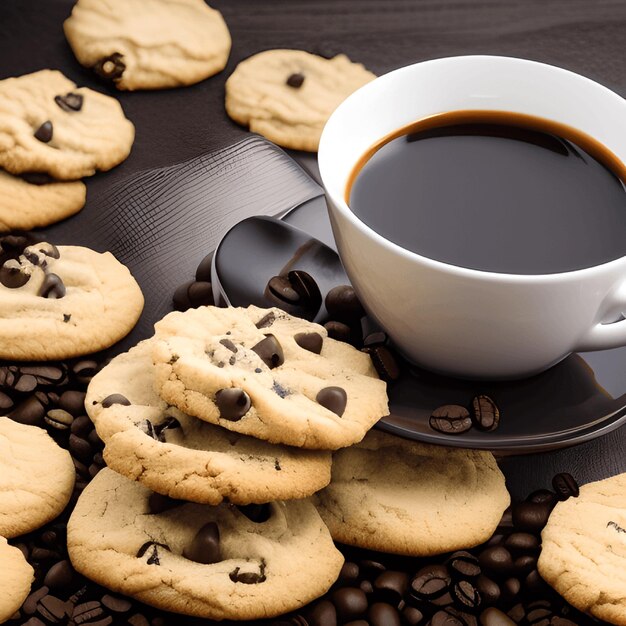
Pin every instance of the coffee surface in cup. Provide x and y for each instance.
(495, 191)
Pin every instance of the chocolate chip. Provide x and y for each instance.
(115, 398)
(332, 398)
(310, 341)
(384, 362)
(70, 101)
(37, 178)
(257, 513)
(531, 516)
(451, 419)
(13, 277)
(111, 67)
(496, 559)
(161, 429)
(270, 351)
(339, 331)
(151, 547)
(158, 503)
(44, 132)
(486, 415)
(232, 403)
(430, 582)
(205, 547)
(116, 603)
(463, 565)
(565, 486)
(350, 602)
(266, 321)
(59, 576)
(343, 304)
(52, 287)
(280, 287)
(200, 293)
(390, 586)
(248, 578)
(295, 80)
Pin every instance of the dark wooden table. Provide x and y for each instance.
(586, 36)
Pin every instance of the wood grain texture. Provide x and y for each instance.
(587, 36)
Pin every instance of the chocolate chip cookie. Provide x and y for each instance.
(184, 457)
(265, 373)
(219, 562)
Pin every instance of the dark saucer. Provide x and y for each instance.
(575, 401)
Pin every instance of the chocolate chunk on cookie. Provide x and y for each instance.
(208, 561)
(264, 383)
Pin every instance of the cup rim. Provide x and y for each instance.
(339, 203)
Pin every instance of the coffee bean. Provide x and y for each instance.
(310, 341)
(343, 304)
(486, 415)
(116, 603)
(43, 554)
(371, 569)
(510, 589)
(270, 351)
(466, 594)
(203, 271)
(295, 80)
(384, 362)
(537, 614)
(381, 614)
(531, 516)
(51, 608)
(542, 496)
(391, 586)
(80, 448)
(463, 565)
(366, 586)
(517, 613)
(52, 287)
(89, 612)
(339, 331)
(59, 419)
(181, 299)
(496, 559)
(59, 576)
(565, 486)
(377, 338)
(30, 604)
(357, 622)
(524, 564)
(431, 582)
(73, 402)
(451, 419)
(25, 384)
(257, 513)
(495, 617)
(332, 398)
(29, 412)
(522, 542)
(267, 320)
(445, 618)
(158, 503)
(281, 288)
(111, 67)
(44, 132)
(232, 403)
(6, 404)
(205, 547)
(46, 374)
(200, 293)
(534, 584)
(85, 371)
(323, 614)
(81, 426)
(70, 101)
(247, 578)
(13, 276)
(350, 602)
(412, 616)
(34, 621)
(306, 287)
(349, 573)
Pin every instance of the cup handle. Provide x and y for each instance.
(610, 335)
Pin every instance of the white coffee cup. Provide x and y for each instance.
(450, 319)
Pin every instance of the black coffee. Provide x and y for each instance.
(496, 192)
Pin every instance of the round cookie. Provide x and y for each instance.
(583, 550)
(24, 205)
(49, 125)
(264, 373)
(149, 44)
(57, 303)
(288, 95)
(196, 559)
(36, 478)
(190, 459)
(16, 577)
(394, 495)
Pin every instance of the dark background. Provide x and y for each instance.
(588, 37)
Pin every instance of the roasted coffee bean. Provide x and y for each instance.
(384, 362)
(232, 403)
(510, 589)
(339, 331)
(343, 304)
(51, 608)
(116, 604)
(30, 604)
(444, 601)
(181, 299)
(44, 132)
(496, 559)
(451, 419)
(506, 521)
(115, 398)
(371, 569)
(323, 613)
(349, 573)
(111, 67)
(247, 578)
(306, 287)
(158, 503)
(270, 351)
(25, 384)
(350, 602)
(52, 287)
(412, 616)
(431, 582)
(391, 586)
(542, 496)
(495, 617)
(332, 398)
(93, 470)
(466, 595)
(6, 404)
(85, 371)
(463, 565)
(310, 341)
(381, 614)
(203, 271)
(531, 516)
(73, 402)
(524, 564)
(534, 584)
(80, 448)
(295, 80)
(46, 374)
(446, 618)
(29, 412)
(486, 415)
(522, 542)
(33, 621)
(205, 547)
(536, 614)
(80, 468)
(366, 586)
(70, 101)
(81, 426)
(59, 576)
(267, 320)
(42, 554)
(58, 419)
(281, 288)
(377, 338)
(565, 486)
(90, 613)
(200, 293)
(257, 513)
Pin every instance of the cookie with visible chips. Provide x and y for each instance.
(288, 95)
(184, 457)
(218, 562)
(149, 44)
(265, 373)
